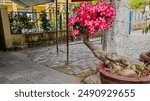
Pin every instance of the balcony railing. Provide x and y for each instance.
(36, 22)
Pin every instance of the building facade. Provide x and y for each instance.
(36, 10)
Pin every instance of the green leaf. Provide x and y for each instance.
(141, 68)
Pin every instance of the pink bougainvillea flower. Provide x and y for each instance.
(75, 33)
(93, 18)
(92, 31)
(72, 21)
(89, 23)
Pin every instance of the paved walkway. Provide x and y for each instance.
(81, 58)
(43, 65)
(139, 43)
(15, 68)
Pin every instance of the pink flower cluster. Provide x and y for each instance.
(93, 18)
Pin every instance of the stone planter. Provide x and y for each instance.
(145, 57)
(107, 78)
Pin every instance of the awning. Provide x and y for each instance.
(29, 3)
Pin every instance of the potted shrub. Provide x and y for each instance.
(115, 68)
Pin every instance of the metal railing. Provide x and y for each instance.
(36, 21)
(137, 20)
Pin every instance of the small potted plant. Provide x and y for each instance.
(88, 21)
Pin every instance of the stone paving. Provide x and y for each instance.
(81, 58)
(15, 68)
(37, 65)
(138, 43)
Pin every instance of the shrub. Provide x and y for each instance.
(18, 22)
(46, 24)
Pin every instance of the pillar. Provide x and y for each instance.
(47, 7)
(116, 39)
(5, 28)
(14, 7)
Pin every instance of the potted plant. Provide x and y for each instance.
(115, 68)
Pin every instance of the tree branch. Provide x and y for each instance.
(101, 55)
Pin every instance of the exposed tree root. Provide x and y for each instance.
(117, 64)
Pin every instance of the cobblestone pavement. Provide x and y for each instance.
(35, 65)
(15, 68)
(81, 58)
(139, 43)
(82, 62)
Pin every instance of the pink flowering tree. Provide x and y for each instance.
(88, 21)
(92, 18)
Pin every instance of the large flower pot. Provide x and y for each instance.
(107, 78)
(145, 57)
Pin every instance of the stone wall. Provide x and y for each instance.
(139, 25)
(41, 39)
(32, 40)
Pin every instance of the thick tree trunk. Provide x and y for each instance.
(101, 55)
(117, 37)
(117, 64)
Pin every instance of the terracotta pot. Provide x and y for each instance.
(107, 78)
(145, 57)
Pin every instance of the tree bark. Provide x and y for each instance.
(116, 40)
(101, 55)
(117, 37)
(117, 64)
